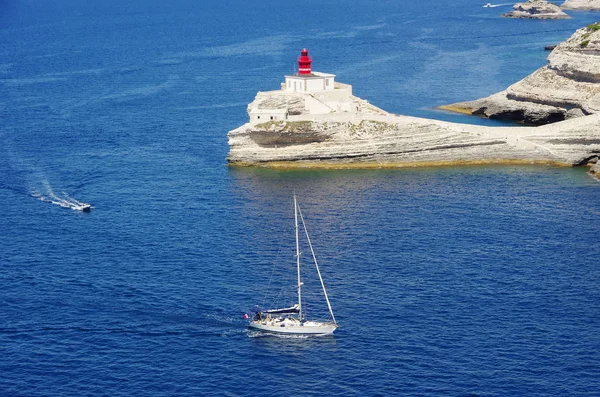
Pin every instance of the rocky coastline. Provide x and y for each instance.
(331, 128)
(567, 87)
(536, 9)
(387, 141)
(588, 5)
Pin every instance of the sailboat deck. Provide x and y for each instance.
(293, 326)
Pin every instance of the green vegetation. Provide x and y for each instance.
(298, 126)
(286, 126)
(371, 126)
(594, 26)
(269, 124)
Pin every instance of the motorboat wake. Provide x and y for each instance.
(490, 5)
(65, 201)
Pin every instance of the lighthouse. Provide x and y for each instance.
(306, 80)
(305, 93)
(304, 63)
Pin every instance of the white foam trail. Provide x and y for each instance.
(77, 202)
(65, 201)
(497, 5)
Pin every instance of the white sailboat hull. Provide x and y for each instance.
(291, 320)
(306, 328)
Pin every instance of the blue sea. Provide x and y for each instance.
(453, 281)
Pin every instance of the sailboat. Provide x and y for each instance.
(292, 320)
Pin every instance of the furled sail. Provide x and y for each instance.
(288, 310)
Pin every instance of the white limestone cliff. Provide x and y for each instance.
(374, 138)
(567, 87)
(593, 5)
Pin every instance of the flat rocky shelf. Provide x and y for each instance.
(326, 126)
(402, 141)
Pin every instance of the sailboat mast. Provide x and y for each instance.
(298, 260)
(317, 266)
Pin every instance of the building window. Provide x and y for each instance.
(258, 117)
(326, 82)
(271, 117)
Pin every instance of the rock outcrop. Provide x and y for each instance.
(536, 9)
(581, 5)
(385, 140)
(313, 121)
(595, 170)
(568, 87)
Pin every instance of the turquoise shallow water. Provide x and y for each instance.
(446, 281)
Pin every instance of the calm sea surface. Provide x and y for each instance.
(473, 281)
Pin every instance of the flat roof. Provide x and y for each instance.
(310, 76)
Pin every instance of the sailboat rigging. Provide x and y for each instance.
(292, 320)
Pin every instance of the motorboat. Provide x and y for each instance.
(83, 207)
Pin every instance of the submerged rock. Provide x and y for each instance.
(536, 9)
(595, 169)
(581, 5)
(568, 87)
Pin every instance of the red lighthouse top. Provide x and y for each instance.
(304, 62)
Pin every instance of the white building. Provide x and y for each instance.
(314, 82)
(301, 94)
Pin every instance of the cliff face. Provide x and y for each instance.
(342, 141)
(569, 86)
(581, 5)
(536, 9)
